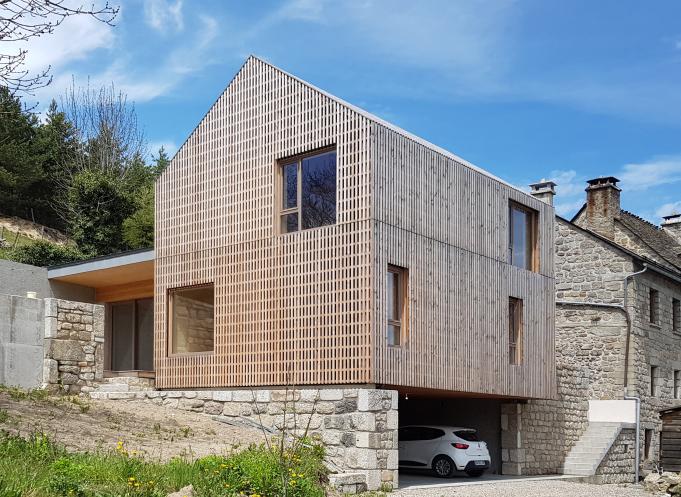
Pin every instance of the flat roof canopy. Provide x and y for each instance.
(117, 269)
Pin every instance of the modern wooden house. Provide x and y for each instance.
(303, 241)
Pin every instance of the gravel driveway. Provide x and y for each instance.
(546, 488)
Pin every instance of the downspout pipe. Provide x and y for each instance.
(625, 309)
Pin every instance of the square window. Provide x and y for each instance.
(515, 330)
(396, 305)
(307, 187)
(522, 241)
(191, 319)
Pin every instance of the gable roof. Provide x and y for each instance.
(363, 113)
(665, 247)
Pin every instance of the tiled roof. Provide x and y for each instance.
(666, 249)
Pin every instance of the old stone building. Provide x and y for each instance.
(618, 338)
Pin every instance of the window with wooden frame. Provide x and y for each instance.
(191, 323)
(654, 306)
(397, 305)
(515, 330)
(523, 237)
(676, 315)
(306, 188)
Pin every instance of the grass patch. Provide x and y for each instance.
(35, 466)
(10, 236)
(16, 393)
(4, 416)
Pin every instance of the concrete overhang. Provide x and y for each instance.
(114, 276)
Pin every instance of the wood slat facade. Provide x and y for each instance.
(309, 307)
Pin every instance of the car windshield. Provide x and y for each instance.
(468, 436)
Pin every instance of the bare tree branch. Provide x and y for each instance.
(21, 20)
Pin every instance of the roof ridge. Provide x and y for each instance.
(641, 219)
(391, 126)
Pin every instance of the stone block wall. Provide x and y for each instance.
(193, 329)
(73, 348)
(358, 426)
(618, 464)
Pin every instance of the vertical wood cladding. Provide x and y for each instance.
(448, 224)
(309, 307)
(290, 308)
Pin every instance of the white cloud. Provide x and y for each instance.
(645, 175)
(163, 15)
(168, 145)
(139, 82)
(74, 40)
(667, 209)
(568, 209)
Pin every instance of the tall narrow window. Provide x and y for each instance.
(653, 381)
(654, 306)
(676, 315)
(396, 305)
(515, 330)
(132, 335)
(307, 191)
(191, 319)
(522, 241)
(647, 441)
(677, 384)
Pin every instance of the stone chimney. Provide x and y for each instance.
(544, 191)
(672, 225)
(602, 206)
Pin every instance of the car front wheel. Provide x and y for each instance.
(443, 467)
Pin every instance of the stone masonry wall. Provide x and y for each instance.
(195, 320)
(654, 344)
(358, 426)
(74, 339)
(589, 353)
(618, 464)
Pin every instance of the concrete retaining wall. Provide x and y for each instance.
(17, 279)
(21, 341)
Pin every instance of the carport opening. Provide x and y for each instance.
(483, 415)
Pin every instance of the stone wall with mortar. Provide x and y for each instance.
(73, 347)
(358, 426)
(590, 352)
(618, 464)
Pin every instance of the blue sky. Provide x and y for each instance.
(525, 89)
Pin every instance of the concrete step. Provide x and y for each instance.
(586, 455)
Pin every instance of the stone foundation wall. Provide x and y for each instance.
(618, 464)
(358, 426)
(74, 340)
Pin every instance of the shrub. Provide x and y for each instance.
(264, 471)
(43, 253)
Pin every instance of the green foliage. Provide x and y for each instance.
(263, 471)
(35, 466)
(93, 185)
(20, 167)
(99, 204)
(43, 253)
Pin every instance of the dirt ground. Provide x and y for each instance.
(152, 431)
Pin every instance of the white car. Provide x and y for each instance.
(444, 449)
